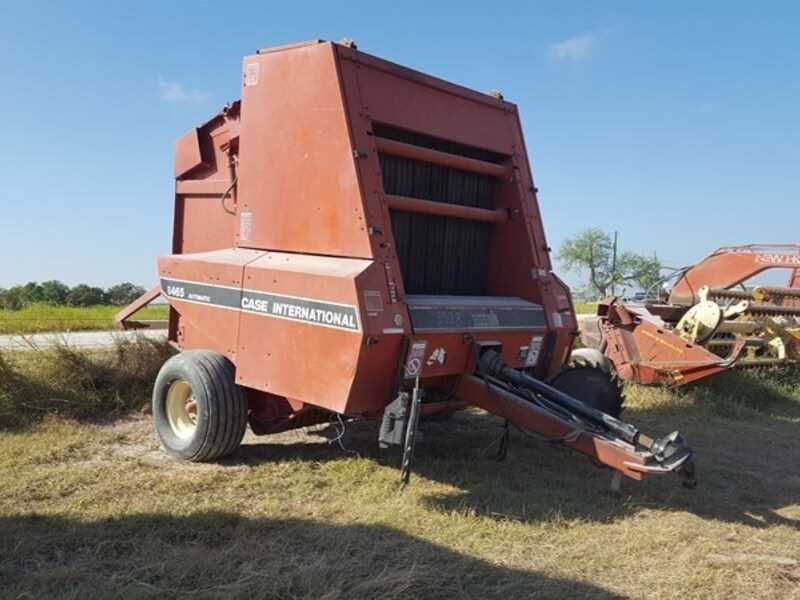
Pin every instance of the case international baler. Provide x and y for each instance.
(355, 239)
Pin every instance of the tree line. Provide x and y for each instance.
(57, 293)
(592, 252)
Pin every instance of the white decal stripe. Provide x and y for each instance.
(253, 291)
(265, 304)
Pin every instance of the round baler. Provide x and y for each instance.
(357, 239)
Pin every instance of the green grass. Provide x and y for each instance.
(586, 308)
(91, 507)
(38, 318)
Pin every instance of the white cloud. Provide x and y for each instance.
(173, 92)
(574, 49)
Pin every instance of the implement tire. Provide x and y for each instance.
(594, 384)
(200, 413)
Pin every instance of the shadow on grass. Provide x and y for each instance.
(224, 555)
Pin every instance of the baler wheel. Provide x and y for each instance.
(200, 413)
(594, 384)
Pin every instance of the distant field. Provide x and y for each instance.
(585, 308)
(39, 318)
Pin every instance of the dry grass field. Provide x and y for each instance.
(90, 507)
(39, 318)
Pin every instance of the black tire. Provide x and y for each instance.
(594, 385)
(216, 418)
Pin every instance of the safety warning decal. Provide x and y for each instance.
(251, 74)
(533, 352)
(438, 356)
(414, 361)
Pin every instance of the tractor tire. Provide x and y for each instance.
(200, 413)
(592, 381)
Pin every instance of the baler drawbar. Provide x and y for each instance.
(648, 455)
(354, 239)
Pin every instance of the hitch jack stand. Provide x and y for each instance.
(616, 483)
(411, 435)
(502, 448)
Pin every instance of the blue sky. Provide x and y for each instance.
(677, 124)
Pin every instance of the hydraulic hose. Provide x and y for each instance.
(491, 363)
(670, 452)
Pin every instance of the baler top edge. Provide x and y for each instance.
(350, 52)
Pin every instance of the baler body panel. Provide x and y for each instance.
(309, 355)
(204, 171)
(193, 284)
(299, 188)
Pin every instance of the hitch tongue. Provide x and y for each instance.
(673, 454)
(661, 455)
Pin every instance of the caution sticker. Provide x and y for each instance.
(251, 74)
(533, 352)
(414, 360)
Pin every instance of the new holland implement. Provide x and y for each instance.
(354, 239)
(713, 320)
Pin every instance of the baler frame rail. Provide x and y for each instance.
(123, 321)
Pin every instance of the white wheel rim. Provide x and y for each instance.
(181, 409)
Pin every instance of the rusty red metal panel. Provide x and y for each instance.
(289, 342)
(202, 187)
(727, 267)
(649, 353)
(299, 189)
(187, 153)
(191, 212)
(185, 282)
(203, 219)
(412, 100)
